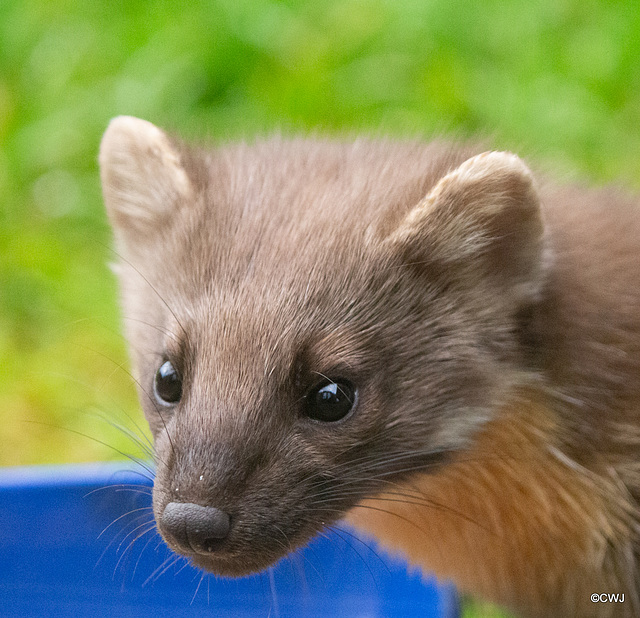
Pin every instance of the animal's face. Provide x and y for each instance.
(302, 336)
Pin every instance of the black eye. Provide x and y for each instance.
(167, 385)
(330, 401)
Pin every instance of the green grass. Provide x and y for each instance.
(552, 79)
(473, 609)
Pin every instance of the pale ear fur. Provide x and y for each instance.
(482, 220)
(142, 176)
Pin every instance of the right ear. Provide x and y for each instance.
(143, 178)
(481, 222)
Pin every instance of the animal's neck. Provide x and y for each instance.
(511, 519)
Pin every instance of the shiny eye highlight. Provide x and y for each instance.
(167, 385)
(330, 400)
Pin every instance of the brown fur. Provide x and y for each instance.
(490, 322)
(551, 532)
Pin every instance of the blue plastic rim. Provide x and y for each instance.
(80, 541)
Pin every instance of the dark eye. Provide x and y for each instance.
(167, 385)
(330, 401)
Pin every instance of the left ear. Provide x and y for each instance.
(480, 220)
(143, 180)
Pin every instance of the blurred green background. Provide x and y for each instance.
(556, 80)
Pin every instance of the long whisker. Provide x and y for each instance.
(151, 286)
(129, 487)
(171, 311)
(135, 438)
(149, 527)
(152, 527)
(113, 540)
(132, 458)
(289, 548)
(336, 528)
(146, 447)
(131, 512)
(151, 399)
(425, 502)
(405, 519)
(132, 532)
(274, 595)
(166, 564)
(195, 594)
(375, 581)
(161, 329)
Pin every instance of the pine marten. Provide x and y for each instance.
(422, 338)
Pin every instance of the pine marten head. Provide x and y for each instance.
(312, 320)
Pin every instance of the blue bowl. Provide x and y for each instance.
(79, 541)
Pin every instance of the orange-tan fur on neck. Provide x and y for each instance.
(533, 518)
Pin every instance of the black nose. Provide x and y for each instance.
(195, 528)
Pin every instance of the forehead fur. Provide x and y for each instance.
(297, 207)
